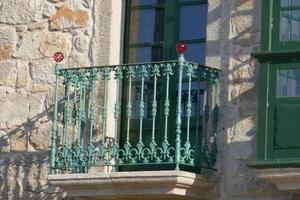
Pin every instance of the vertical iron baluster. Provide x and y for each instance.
(155, 74)
(55, 124)
(181, 62)
(168, 71)
(81, 114)
(187, 145)
(189, 103)
(106, 78)
(84, 116)
(92, 106)
(130, 74)
(115, 146)
(103, 145)
(75, 111)
(213, 152)
(66, 107)
(205, 150)
(198, 112)
(140, 145)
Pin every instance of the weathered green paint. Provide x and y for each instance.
(55, 124)
(167, 73)
(155, 74)
(66, 108)
(181, 63)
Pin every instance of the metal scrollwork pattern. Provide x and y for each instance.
(85, 141)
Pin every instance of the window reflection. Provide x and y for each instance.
(286, 3)
(290, 25)
(196, 53)
(288, 83)
(146, 25)
(144, 54)
(192, 22)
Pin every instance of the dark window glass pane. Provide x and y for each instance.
(193, 19)
(290, 25)
(285, 3)
(288, 83)
(144, 54)
(145, 2)
(146, 25)
(196, 53)
(197, 90)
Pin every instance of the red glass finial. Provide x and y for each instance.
(181, 47)
(58, 56)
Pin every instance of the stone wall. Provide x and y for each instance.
(233, 33)
(88, 32)
(31, 31)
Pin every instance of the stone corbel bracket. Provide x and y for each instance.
(137, 185)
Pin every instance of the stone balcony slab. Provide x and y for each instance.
(175, 185)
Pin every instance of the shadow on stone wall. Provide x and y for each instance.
(24, 176)
(24, 160)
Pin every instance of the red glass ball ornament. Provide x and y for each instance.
(181, 47)
(58, 56)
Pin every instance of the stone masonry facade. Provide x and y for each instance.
(89, 32)
(31, 31)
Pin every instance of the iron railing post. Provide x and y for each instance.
(55, 125)
(181, 62)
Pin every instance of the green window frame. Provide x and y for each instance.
(170, 28)
(279, 10)
(277, 136)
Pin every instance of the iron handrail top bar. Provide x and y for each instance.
(136, 64)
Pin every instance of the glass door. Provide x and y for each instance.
(153, 27)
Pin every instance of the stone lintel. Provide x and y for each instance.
(286, 179)
(136, 185)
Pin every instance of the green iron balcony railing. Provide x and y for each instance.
(154, 127)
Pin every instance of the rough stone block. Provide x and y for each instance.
(40, 137)
(18, 141)
(42, 71)
(23, 75)
(8, 73)
(37, 45)
(17, 109)
(21, 11)
(66, 18)
(7, 41)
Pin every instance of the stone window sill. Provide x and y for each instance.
(286, 179)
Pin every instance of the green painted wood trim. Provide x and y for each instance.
(148, 44)
(270, 29)
(279, 163)
(266, 21)
(265, 56)
(262, 112)
(199, 2)
(150, 6)
(126, 30)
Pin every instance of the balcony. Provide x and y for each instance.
(135, 130)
